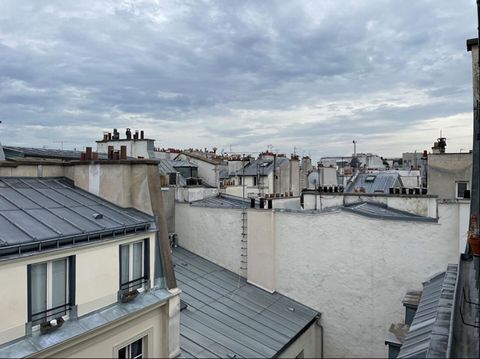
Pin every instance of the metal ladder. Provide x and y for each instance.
(244, 242)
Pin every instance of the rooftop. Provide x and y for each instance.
(374, 182)
(29, 345)
(226, 317)
(262, 167)
(429, 333)
(14, 152)
(225, 201)
(40, 213)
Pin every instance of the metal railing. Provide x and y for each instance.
(50, 314)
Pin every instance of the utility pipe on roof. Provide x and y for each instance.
(475, 191)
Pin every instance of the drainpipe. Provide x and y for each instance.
(274, 174)
(321, 337)
(475, 195)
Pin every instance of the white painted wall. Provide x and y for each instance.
(191, 194)
(135, 148)
(353, 269)
(356, 271)
(213, 233)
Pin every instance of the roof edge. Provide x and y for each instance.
(298, 335)
(471, 43)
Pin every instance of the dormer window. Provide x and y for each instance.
(51, 287)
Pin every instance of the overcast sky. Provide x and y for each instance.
(239, 75)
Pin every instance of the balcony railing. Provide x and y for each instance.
(49, 314)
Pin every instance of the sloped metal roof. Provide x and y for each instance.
(382, 181)
(260, 167)
(430, 329)
(12, 152)
(377, 210)
(225, 201)
(37, 211)
(228, 318)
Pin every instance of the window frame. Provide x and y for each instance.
(145, 267)
(69, 291)
(456, 189)
(147, 343)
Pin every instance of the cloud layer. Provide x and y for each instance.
(313, 75)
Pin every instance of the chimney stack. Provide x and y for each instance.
(88, 153)
(123, 152)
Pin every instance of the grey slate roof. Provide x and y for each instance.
(227, 317)
(377, 210)
(430, 329)
(37, 212)
(381, 184)
(29, 345)
(12, 152)
(225, 201)
(261, 167)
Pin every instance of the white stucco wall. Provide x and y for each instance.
(356, 271)
(353, 269)
(213, 233)
(135, 148)
(191, 194)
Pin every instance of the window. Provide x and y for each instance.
(134, 265)
(461, 187)
(51, 289)
(240, 181)
(255, 180)
(134, 350)
(173, 178)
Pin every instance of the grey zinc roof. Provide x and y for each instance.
(377, 210)
(38, 212)
(225, 201)
(430, 329)
(227, 317)
(382, 183)
(260, 167)
(12, 152)
(29, 345)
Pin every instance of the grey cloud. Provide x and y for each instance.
(100, 65)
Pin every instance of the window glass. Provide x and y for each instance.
(49, 290)
(59, 284)
(137, 349)
(461, 188)
(39, 288)
(124, 253)
(137, 264)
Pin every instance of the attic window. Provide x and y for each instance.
(370, 178)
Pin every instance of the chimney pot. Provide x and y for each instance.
(88, 153)
(123, 152)
(142, 134)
